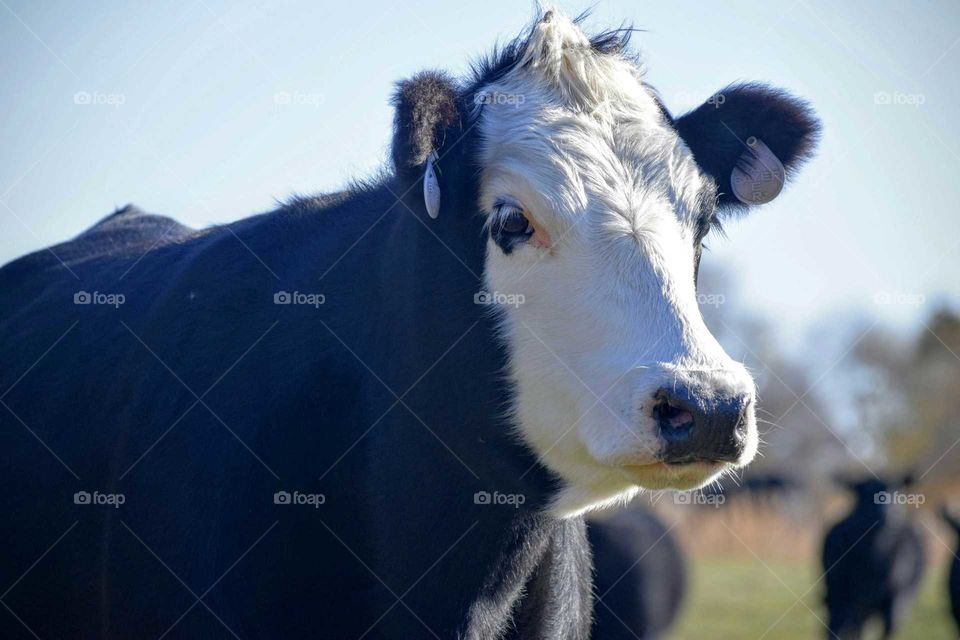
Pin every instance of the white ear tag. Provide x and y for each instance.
(431, 187)
(759, 174)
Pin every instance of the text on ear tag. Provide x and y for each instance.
(431, 187)
(759, 174)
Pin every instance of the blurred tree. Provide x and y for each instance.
(911, 395)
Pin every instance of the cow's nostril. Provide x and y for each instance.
(671, 416)
(699, 426)
(675, 421)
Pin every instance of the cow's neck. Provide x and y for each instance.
(540, 586)
(459, 443)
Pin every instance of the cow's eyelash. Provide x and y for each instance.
(500, 204)
(509, 225)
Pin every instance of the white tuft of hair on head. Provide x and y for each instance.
(565, 62)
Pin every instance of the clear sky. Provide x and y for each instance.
(174, 106)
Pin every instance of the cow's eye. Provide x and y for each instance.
(511, 220)
(510, 226)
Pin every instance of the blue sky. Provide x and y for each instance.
(174, 106)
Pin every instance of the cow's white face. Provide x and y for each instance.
(595, 207)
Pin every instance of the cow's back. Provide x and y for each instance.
(195, 398)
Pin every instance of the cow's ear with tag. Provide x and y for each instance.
(426, 116)
(751, 139)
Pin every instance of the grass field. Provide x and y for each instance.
(741, 598)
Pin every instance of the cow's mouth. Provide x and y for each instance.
(679, 475)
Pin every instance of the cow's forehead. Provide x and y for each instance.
(602, 134)
(569, 122)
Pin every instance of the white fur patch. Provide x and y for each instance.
(610, 312)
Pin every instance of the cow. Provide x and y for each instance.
(761, 490)
(953, 584)
(384, 412)
(873, 560)
(639, 576)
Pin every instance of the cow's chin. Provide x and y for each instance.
(683, 477)
(615, 486)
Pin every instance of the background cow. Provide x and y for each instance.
(639, 577)
(953, 585)
(873, 560)
(353, 442)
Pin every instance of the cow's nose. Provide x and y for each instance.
(701, 427)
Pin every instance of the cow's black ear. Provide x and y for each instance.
(723, 132)
(426, 111)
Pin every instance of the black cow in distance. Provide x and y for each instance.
(873, 560)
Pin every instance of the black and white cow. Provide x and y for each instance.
(310, 423)
(873, 561)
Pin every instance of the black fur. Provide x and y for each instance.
(953, 584)
(640, 577)
(400, 296)
(425, 108)
(198, 398)
(874, 562)
(717, 130)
